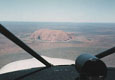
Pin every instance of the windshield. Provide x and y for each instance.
(59, 42)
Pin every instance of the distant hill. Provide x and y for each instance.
(52, 35)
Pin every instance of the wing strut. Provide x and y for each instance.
(106, 53)
(21, 44)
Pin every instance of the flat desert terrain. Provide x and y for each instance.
(60, 40)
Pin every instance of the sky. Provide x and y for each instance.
(58, 10)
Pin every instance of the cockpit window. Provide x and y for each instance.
(57, 40)
(57, 31)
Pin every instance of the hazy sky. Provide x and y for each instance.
(58, 10)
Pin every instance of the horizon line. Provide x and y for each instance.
(58, 21)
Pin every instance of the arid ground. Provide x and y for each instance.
(90, 39)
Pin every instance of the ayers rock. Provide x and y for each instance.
(52, 35)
